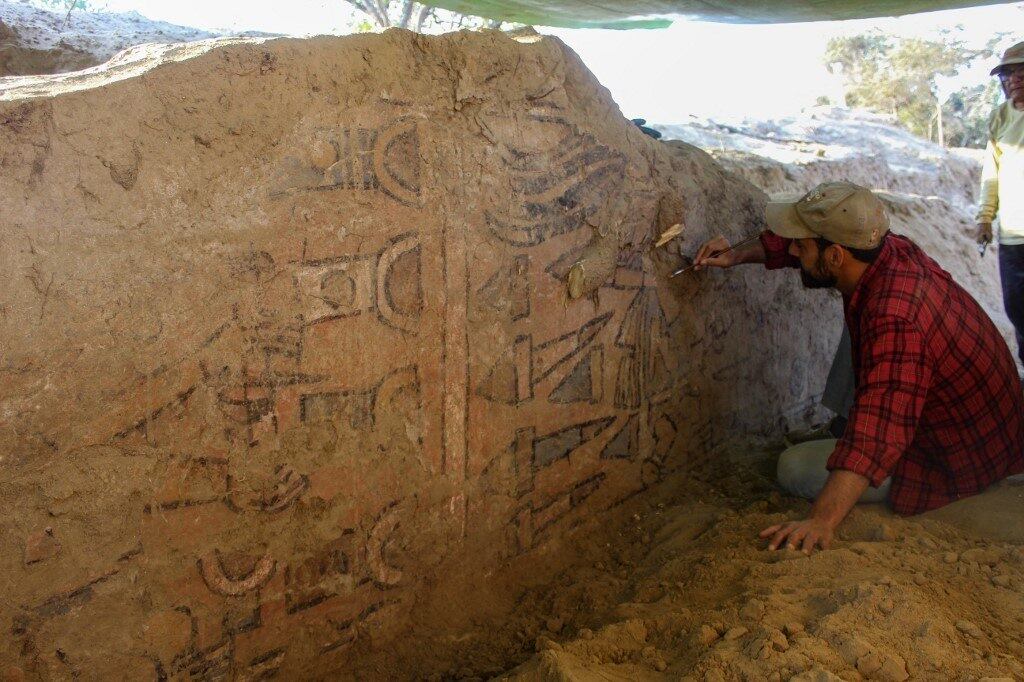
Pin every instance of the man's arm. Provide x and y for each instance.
(988, 195)
(892, 384)
(893, 378)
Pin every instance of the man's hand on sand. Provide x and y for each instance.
(984, 235)
(710, 255)
(805, 535)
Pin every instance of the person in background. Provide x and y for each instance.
(1002, 187)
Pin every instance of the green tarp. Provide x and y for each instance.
(659, 13)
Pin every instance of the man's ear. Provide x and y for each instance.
(835, 255)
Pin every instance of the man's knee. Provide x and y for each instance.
(791, 468)
(802, 471)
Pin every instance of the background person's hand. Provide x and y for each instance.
(710, 255)
(984, 234)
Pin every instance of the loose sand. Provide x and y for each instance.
(676, 586)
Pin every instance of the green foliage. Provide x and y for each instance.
(898, 76)
(967, 112)
(68, 5)
(362, 26)
(414, 16)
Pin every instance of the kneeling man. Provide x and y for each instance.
(938, 413)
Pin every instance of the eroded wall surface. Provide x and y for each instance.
(285, 329)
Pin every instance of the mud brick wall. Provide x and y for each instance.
(284, 327)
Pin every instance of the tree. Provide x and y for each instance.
(416, 16)
(969, 108)
(899, 75)
(968, 111)
(69, 5)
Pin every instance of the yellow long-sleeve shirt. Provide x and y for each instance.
(1002, 177)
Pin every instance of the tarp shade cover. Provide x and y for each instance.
(659, 13)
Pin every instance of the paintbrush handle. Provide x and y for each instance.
(716, 253)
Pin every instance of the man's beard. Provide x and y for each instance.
(814, 282)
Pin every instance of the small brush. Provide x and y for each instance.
(691, 266)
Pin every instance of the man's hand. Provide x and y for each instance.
(803, 535)
(710, 255)
(984, 234)
(842, 490)
(718, 253)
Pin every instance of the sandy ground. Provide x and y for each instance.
(674, 585)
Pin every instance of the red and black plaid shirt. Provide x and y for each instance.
(938, 403)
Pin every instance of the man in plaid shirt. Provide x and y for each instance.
(938, 413)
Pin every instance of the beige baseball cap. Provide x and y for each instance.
(841, 212)
(1013, 55)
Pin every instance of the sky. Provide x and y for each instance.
(765, 71)
(666, 75)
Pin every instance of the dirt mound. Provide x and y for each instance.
(17, 60)
(37, 41)
(825, 141)
(696, 598)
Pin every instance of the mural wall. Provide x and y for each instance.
(285, 328)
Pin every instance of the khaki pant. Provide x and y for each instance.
(801, 471)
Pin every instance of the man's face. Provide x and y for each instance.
(813, 270)
(1012, 78)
